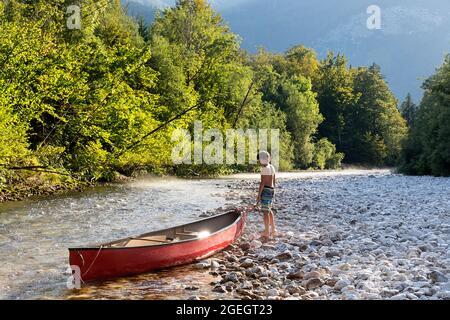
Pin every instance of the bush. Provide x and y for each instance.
(325, 156)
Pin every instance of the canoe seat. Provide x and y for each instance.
(151, 240)
(145, 241)
(186, 233)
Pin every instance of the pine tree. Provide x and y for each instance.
(408, 109)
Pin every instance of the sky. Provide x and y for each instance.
(411, 44)
(218, 4)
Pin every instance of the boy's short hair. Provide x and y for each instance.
(263, 157)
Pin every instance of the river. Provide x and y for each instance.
(35, 235)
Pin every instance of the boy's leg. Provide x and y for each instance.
(272, 223)
(266, 223)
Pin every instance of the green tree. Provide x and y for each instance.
(13, 142)
(374, 122)
(335, 94)
(408, 109)
(302, 61)
(85, 95)
(304, 117)
(293, 95)
(198, 58)
(427, 149)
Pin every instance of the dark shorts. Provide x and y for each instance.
(267, 198)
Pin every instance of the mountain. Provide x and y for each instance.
(410, 45)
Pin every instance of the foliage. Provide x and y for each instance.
(325, 156)
(427, 149)
(408, 110)
(292, 94)
(361, 115)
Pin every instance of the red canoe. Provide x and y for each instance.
(160, 249)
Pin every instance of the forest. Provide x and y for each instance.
(101, 102)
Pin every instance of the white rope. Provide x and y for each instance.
(93, 261)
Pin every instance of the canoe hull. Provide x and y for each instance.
(106, 263)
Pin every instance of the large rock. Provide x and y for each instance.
(244, 292)
(301, 246)
(293, 289)
(257, 271)
(246, 285)
(232, 258)
(215, 265)
(255, 244)
(247, 263)
(341, 284)
(314, 283)
(284, 256)
(311, 274)
(332, 254)
(272, 293)
(232, 277)
(219, 289)
(202, 265)
(296, 275)
(400, 296)
(437, 276)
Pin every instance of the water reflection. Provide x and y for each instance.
(176, 283)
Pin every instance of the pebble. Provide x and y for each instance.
(215, 265)
(400, 296)
(272, 293)
(284, 256)
(248, 263)
(219, 289)
(437, 276)
(232, 277)
(332, 254)
(256, 244)
(341, 284)
(296, 275)
(191, 288)
(202, 265)
(314, 283)
(311, 274)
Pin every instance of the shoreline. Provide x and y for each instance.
(25, 191)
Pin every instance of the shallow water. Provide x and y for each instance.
(35, 235)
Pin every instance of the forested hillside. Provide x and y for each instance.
(87, 105)
(427, 149)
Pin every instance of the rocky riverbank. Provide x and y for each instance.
(29, 189)
(377, 236)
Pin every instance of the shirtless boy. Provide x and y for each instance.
(266, 193)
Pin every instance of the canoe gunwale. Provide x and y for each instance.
(103, 245)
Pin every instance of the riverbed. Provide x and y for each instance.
(354, 234)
